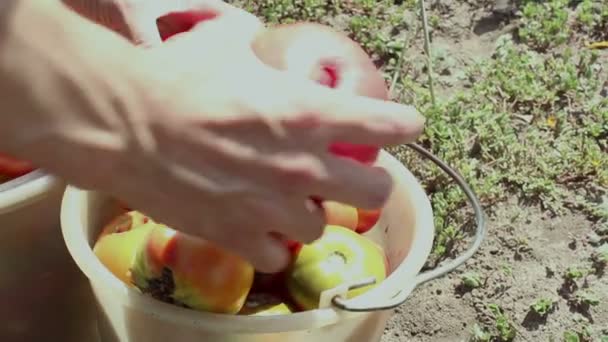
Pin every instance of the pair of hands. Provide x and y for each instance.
(198, 133)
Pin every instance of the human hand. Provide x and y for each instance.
(258, 147)
(198, 133)
(146, 22)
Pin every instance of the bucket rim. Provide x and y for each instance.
(23, 190)
(102, 280)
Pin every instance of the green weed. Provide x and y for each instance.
(542, 306)
(586, 298)
(574, 273)
(582, 335)
(505, 330)
(471, 280)
(592, 19)
(601, 254)
(530, 124)
(480, 334)
(544, 24)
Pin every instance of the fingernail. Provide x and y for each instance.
(412, 123)
(276, 257)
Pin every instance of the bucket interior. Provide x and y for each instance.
(404, 231)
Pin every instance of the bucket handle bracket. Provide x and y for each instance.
(337, 297)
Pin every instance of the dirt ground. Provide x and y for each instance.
(526, 252)
(529, 256)
(522, 259)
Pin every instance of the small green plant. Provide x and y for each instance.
(506, 330)
(582, 335)
(544, 24)
(587, 298)
(592, 19)
(542, 306)
(506, 269)
(573, 273)
(571, 336)
(471, 280)
(600, 255)
(599, 258)
(480, 334)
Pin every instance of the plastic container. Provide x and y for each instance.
(405, 231)
(40, 286)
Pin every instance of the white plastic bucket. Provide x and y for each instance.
(405, 230)
(40, 286)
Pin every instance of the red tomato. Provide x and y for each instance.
(330, 58)
(363, 153)
(367, 219)
(175, 23)
(13, 167)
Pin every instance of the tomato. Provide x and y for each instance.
(265, 304)
(4, 178)
(367, 219)
(144, 254)
(202, 276)
(13, 167)
(175, 23)
(119, 242)
(330, 58)
(340, 255)
(340, 214)
(365, 154)
(124, 222)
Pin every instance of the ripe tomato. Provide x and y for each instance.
(13, 167)
(330, 58)
(340, 255)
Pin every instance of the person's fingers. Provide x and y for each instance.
(265, 252)
(338, 116)
(141, 24)
(208, 22)
(351, 182)
(305, 220)
(150, 25)
(294, 218)
(176, 23)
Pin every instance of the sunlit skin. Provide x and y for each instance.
(330, 58)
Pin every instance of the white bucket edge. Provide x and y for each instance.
(24, 190)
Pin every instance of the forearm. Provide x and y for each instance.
(56, 69)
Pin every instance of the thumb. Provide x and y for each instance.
(215, 18)
(144, 29)
(355, 119)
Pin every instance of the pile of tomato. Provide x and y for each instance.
(183, 270)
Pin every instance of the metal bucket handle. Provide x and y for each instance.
(401, 296)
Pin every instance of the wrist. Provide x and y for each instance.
(57, 71)
(69, 87)
(27, 31)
